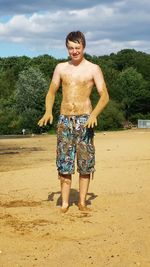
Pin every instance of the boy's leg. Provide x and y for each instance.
(65, 158)
(65, 181)
(85, 162)
(84, 181)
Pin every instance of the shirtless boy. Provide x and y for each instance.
(77, 119)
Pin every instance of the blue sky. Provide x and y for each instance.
(38, 27)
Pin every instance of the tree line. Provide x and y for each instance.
(24, 82)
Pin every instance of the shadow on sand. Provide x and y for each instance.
(74, 196)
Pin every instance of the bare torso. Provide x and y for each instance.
(77, 84)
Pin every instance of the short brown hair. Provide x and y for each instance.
(76, 37)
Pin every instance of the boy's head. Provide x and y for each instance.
(76, 37)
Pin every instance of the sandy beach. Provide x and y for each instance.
(116, 233)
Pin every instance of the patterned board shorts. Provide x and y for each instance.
(75, 140)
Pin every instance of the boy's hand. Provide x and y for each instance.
(44, 120)
(91, 122)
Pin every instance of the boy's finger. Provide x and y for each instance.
(45, 122)
(40, 123)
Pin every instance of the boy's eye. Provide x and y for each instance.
(71, 48)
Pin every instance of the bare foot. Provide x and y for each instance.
(64, 209)
(83, 207)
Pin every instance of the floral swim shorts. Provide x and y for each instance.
(75, 140)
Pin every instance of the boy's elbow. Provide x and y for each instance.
(50, 94)
(106, 95)
(107, 98)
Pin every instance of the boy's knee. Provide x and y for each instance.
(84, 176)
(65, 178)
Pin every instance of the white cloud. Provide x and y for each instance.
(28, 7)
(106, 46)
(108, 27)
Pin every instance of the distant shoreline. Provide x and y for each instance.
(14, 136)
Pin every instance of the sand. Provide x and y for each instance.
(115, 233)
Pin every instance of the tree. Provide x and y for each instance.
(24, 83)
(30, 95)
(130, 89)
(7, 83)
(46, 64)
(9, 120)
(112, 118)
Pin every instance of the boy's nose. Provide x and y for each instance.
(74, 50)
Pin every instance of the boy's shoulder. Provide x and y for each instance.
(60, 66)
(92, 66)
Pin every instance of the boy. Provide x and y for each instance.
(77, 119)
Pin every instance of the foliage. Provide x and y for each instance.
(112, 117)
(130, 89)
(7, 83)
(24, 83)
(46, 65)
(31, 89)
(139, 116)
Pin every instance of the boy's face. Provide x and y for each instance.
(75, 50)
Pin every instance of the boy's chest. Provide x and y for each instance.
(76, 77)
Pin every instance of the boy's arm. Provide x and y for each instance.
(50, 98)
(104, 97)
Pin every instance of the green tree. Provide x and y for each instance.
(127, 75)
(46, 64)
(9, 121)
(31, 89)
(125, 58)
(112, 118)
(130, 89)
(7, 83)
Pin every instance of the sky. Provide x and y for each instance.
(37, 27)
